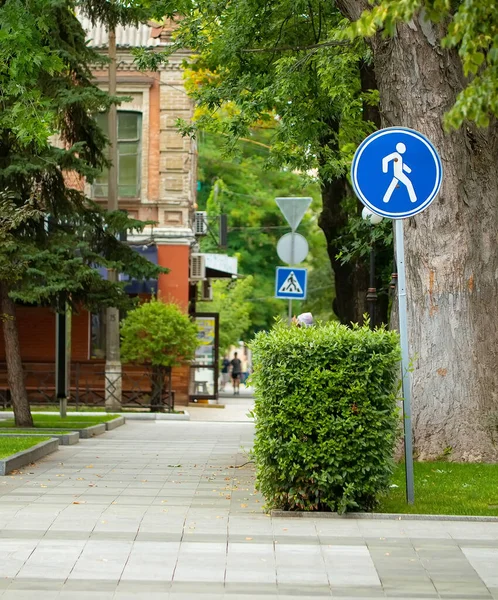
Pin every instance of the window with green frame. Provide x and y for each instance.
(129, 156)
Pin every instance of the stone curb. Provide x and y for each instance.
(118, 422)
(388, 516)
(65, 439)
(130, 416)
(28, 456)
(88, 432)
(157, 416)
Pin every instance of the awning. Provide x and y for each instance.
(138, 286)
(220, 266)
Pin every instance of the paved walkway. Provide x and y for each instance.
(167, 510)
(237, 408)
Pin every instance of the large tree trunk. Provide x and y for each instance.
(451, 253)
(158, 375)
(371, 114)
(15, 374)
(351, 279)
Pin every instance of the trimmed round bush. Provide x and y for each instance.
(326, 415)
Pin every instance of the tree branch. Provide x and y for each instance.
(297, 48)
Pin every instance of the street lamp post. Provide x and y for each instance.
(372, 219)
(113, 369)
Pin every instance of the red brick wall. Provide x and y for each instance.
(174, 286)
(37, 340)
(80, 333)
(180, 384)
(36, 326)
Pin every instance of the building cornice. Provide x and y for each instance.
(178, 236)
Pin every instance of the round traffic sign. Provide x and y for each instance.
(396, 172)
(284, 248)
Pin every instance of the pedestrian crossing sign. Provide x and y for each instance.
(291, 283)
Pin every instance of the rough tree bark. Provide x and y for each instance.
(15, 373)
(371, 114)
(451, 256)
(158, 381)
(351, 279)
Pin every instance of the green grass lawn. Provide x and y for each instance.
(12, 445)
(445, 488)
(55, 421)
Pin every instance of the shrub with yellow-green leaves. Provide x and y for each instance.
(326, 415)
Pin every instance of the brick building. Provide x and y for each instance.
(157, 181)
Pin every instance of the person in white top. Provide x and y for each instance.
(304, 320)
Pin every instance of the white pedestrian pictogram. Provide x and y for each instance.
(290, 285)
(398, 167)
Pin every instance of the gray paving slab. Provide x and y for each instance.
(151, 561)
(485, 563)
(209, 559)
(155, 510)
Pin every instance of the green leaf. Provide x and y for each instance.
(326, 413)
(158, 334)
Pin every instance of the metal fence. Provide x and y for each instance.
(88, 384)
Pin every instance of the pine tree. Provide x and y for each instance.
(53, 235)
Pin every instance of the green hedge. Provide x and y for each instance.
(326, 416)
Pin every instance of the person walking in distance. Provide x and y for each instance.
(225, 375)
(236, 365)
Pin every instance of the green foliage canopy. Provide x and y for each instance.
(158, 334)
(280, 65)
(47, 89)
(245, 189)
(288, 67)
(232, 301)
(471, 27)
(326, 418)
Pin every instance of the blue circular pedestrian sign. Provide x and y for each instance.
(396, 172)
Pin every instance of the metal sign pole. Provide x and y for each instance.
(292, 248)
(397, 173)
(293, 243)
(405, 361)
